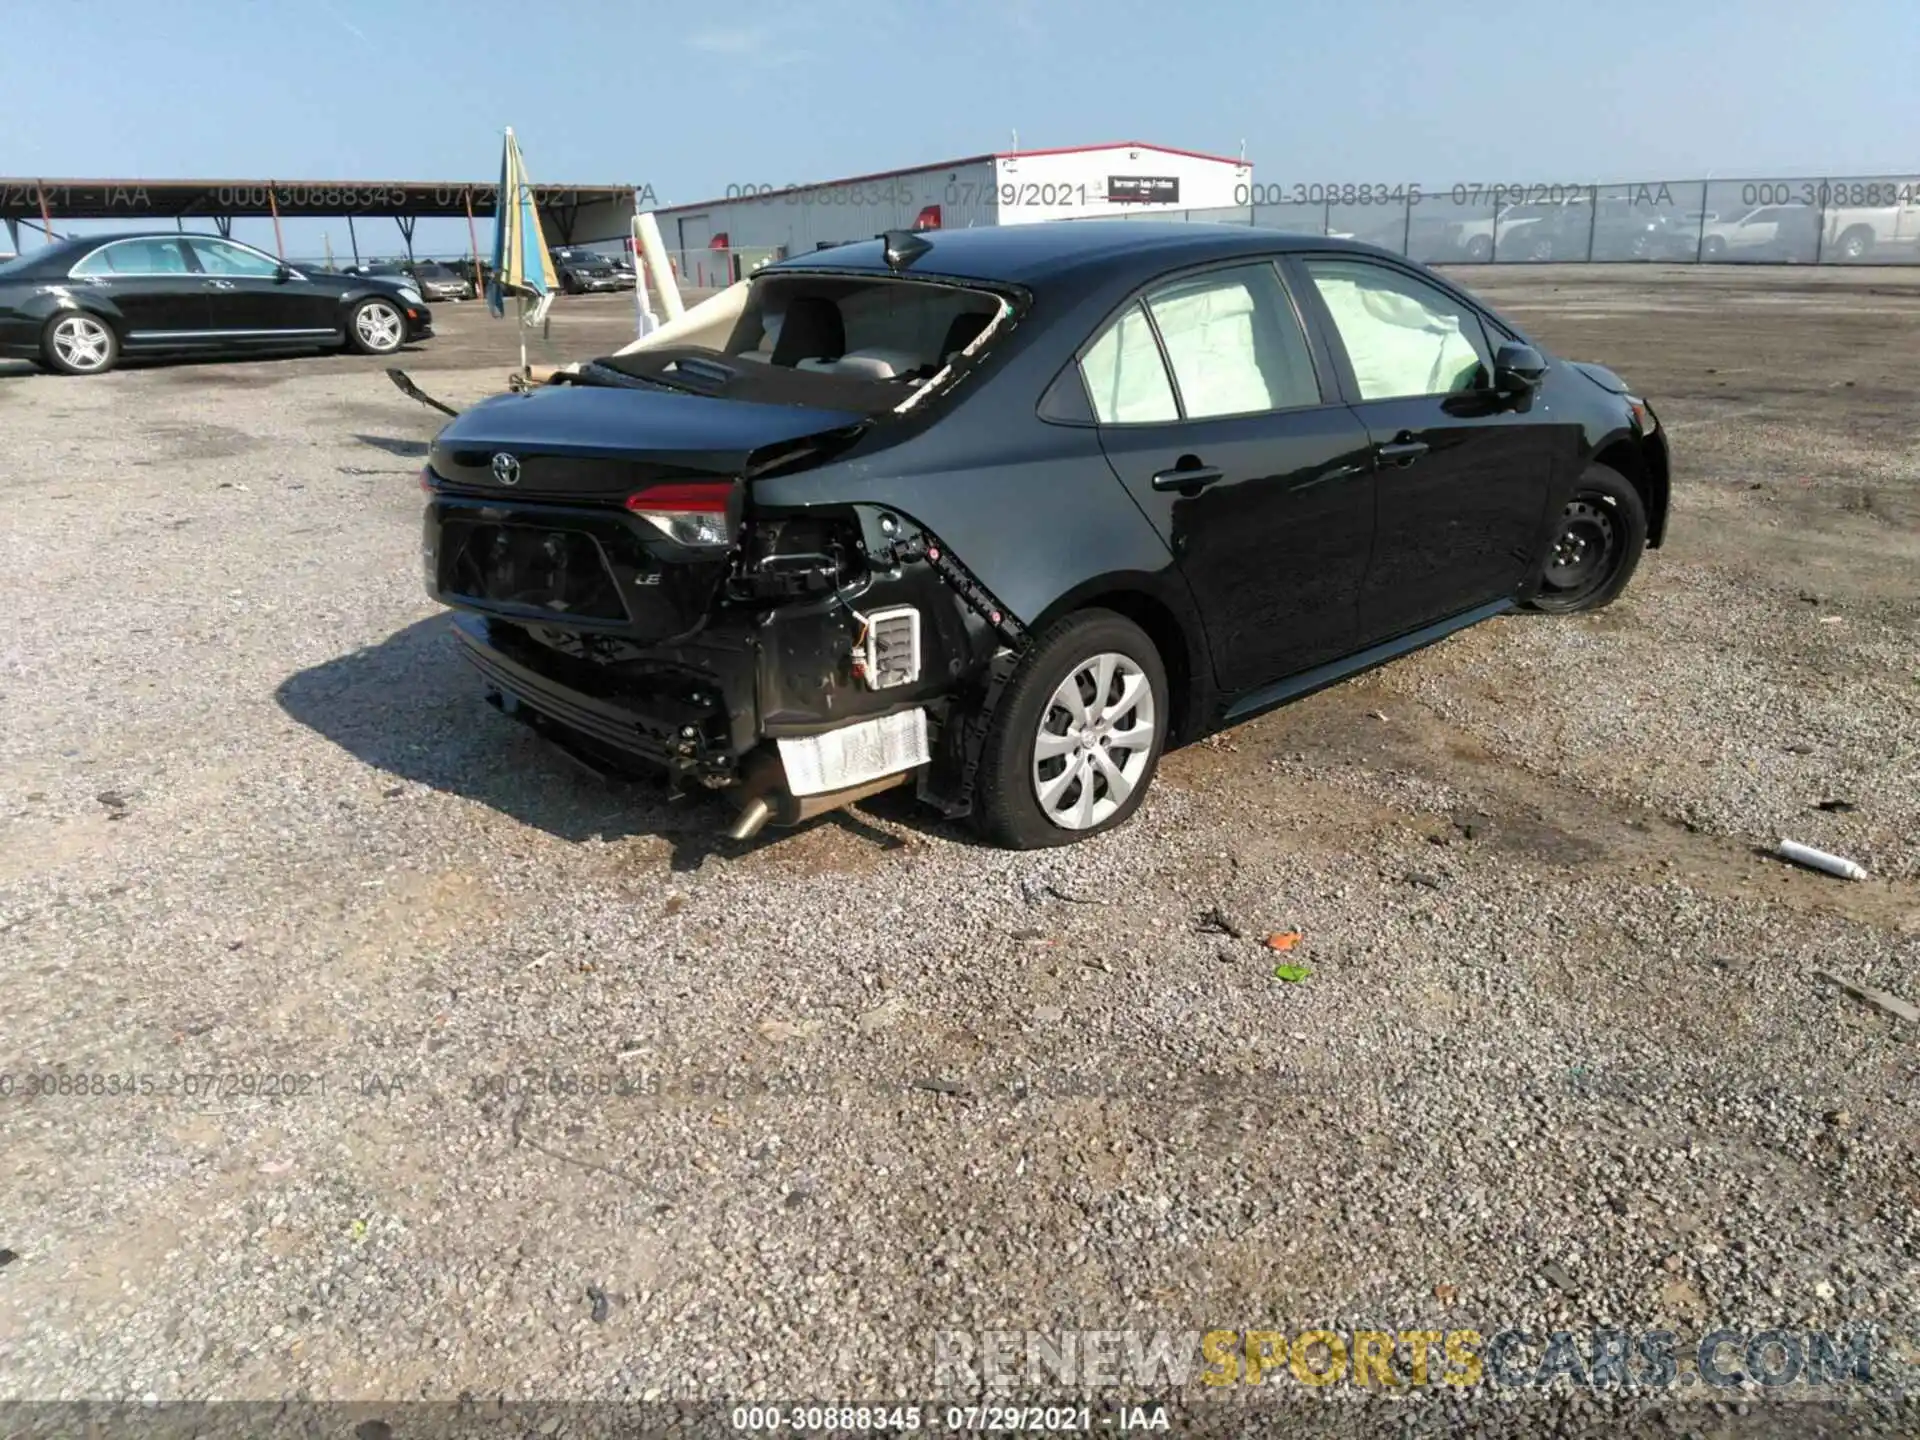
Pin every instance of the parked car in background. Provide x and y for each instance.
(1003, 512)
(79, 305)
(432, 278)
(1613, 227)
(1858, 232)
(436, 281)
(1777, 233)
(585, 272)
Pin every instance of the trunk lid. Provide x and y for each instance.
(593, 443)
(530, 518)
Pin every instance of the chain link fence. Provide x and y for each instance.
(1863, 220)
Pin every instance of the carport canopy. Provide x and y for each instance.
(570, 214)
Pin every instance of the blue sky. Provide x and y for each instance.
(690, 98)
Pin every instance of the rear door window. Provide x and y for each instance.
(137, 257)
(1231, 336)
(1126, 378)
(1235, 344)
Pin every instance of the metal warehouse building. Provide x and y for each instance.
(721, 240)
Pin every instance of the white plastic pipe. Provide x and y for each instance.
(646, 231)
(645, 322)
(1820, 860)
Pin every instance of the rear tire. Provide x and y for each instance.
(1857, 243)
(1065, 760)
(1597, 546)
(75, 342)
(377, 327)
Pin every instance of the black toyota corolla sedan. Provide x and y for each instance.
(1005, 512)
(77, 306)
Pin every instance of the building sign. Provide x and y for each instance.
(1144, 189)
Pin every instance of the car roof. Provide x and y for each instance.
(1027, 253)
(73, 244)
(63, 253)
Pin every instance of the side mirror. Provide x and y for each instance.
(1517, 367)
(282, 273)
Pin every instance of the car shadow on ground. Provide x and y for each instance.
(21, 369)
(411, 707)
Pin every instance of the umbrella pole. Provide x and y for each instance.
(523, 336)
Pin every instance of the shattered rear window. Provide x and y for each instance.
(868, 344)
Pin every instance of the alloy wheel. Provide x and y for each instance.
(1583, 550)
(1094, 743)
(379, 326)
(82, 343)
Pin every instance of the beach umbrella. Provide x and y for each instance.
(521, 265)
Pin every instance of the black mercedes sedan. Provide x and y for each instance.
(1003, 513)
(77, 306)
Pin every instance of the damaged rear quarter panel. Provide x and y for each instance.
(1032, 509)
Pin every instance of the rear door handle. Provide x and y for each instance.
(1193, 479)
(1402, 452)
(220, 284)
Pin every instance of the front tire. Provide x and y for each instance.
(1077, 737)
(1597, 545)
(376, 327)
(1856, 244)
(76, 343)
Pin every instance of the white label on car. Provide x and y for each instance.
(855, 754)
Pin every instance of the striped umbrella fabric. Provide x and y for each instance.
(521, 264)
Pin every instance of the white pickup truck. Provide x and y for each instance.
(1856, 232)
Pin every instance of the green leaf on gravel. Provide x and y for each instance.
(1292, 974)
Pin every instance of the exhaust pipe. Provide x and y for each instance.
(765, 798)
(751, 820)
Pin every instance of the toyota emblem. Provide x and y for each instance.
(506, 469)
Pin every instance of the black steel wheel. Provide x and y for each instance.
(1596, 544)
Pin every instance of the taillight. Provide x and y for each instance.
(426, 479)
(690, 512)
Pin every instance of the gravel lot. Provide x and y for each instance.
(1564, 1057)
